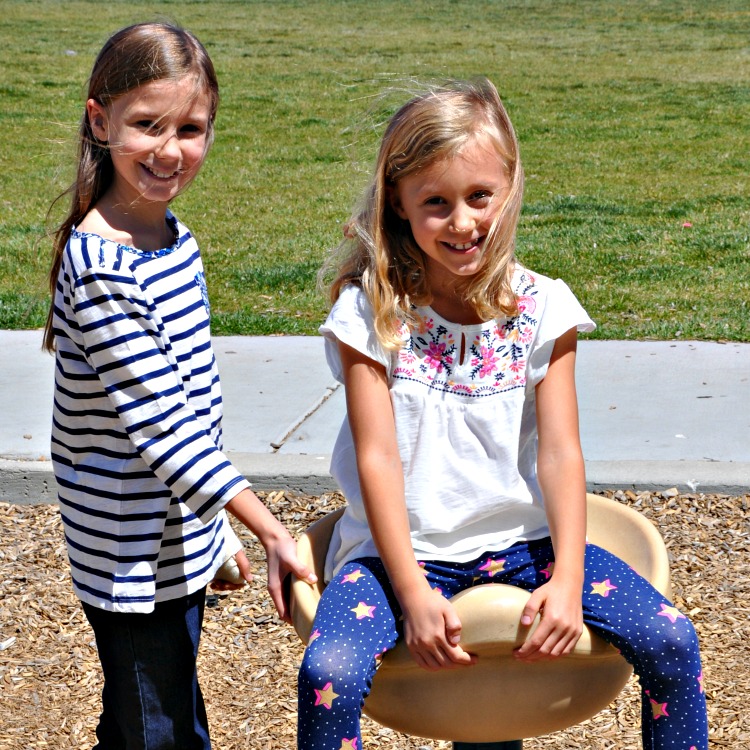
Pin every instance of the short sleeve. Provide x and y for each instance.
(560, 311)
(351, 322)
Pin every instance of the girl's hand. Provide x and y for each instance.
(221, 584)
(432, 631)
(281, 549)
(561, 623)
(282, 560)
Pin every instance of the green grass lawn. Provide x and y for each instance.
(633, 119)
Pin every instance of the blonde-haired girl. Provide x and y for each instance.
(460, 456)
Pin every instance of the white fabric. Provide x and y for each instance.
(466, 429)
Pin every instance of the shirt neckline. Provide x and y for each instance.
(455, 326)
(171, 220)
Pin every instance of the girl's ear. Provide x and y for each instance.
(98, 120)
(395, 202)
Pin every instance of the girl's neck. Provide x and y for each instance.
(450, 305)
(448, 299)
(141, 226)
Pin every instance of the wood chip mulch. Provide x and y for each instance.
(49, 674)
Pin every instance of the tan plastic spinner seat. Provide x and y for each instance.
(499, 698)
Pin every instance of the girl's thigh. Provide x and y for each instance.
(356, 622)
(630, 613)
(151, 694)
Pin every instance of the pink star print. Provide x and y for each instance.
(672, 613)
(326, 696)
(352, 577)
(363, 610)
(493, 566)
(602, 588)
(657, 709)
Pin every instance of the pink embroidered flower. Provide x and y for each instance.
(526, 304)
(518, 365)
(435, 354)
(487, 359)
(526, 335)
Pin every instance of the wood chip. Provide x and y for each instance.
(50, 680)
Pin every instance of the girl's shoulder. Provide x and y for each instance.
(350, 321)
(88, 248)
(526, 281)
(529, 284)
(352, 302)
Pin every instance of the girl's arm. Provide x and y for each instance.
(560, 470)
(432, 629)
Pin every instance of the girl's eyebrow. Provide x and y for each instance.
(429, 189)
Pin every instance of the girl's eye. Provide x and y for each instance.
(435, 200)
(191, 129)
(147, 125)
(481, 195)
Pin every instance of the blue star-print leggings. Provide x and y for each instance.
(358, 618)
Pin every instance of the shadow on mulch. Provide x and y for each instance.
(49, 673)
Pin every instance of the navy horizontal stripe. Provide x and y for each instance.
(122, 517)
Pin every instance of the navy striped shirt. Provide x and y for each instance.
(136, 431)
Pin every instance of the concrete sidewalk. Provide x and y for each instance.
(654, 415)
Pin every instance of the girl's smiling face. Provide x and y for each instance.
(158, 136)
(450, 207)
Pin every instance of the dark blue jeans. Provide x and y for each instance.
(151, 699)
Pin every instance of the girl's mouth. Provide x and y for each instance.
(462, 247)
(161, 175)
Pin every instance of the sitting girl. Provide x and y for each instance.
(460, 455)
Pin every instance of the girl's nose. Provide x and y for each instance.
(462, 221)
(168, 146)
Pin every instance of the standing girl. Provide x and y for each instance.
(136, 433)
(460, 455)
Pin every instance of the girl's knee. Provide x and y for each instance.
(673, 651)
(333, 662)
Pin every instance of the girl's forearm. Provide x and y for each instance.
(247, 508)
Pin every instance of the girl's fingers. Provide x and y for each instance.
(244, 565)
(452, 627)
(304, 573)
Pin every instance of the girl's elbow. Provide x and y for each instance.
(555, 464)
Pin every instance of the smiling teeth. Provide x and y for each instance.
(465, 246)
(162, 175)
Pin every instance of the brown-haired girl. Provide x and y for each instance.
(136, 437)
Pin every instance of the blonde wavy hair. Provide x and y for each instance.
(379, 253)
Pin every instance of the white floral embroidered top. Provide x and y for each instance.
(466, 426)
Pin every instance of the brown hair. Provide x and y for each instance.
(380, 254)
(131, 57)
